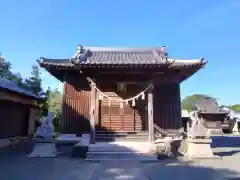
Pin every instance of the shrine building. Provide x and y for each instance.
(121, 90)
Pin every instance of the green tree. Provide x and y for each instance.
(235, 107)
(5, 68)
(6, 73)
(54, 105)
(34, 82)
(189, 102)
(54, 101)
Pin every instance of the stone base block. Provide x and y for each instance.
(168, 147)
(65, 149)
(4, 143)
(79, 151)
(197, 148)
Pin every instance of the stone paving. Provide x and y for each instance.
(122, 170)
(64, 168)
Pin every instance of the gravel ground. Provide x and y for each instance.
(63, 168)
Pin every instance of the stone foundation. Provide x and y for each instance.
(197, 148)
(73, 146)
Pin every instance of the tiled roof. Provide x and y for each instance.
(119, 56)
(12, 86)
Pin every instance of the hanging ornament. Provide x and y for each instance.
(143, 95)
(121, 105)
(133, 102)
(109, 103)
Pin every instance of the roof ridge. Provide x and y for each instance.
(117, 49)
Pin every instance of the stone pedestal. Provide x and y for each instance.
(81, 148)
(44, 137)
(197, 148)
(44, 150)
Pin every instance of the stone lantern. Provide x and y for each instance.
(206, 121)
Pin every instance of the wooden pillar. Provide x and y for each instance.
(92, 112)
(150, 116)
(62, 126)
(97, 109)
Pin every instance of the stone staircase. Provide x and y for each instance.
(105, 136)
(124, 150)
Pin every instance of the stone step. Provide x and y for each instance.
(130, 136)
(138, 147)
(104, 136)
(122, 156)
(121, 132)
(121, 135)
(109, 149)
(112, 139)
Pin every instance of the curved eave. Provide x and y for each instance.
(53, 63)
(171, 64)
(186, 68)
(186, 73)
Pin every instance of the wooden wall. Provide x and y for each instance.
(127, 118)
(76, 103)
(14, 119)
(167, 107)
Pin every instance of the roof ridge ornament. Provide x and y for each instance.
(161, 54)
(80, 55)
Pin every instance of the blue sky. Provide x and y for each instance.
(190, 29)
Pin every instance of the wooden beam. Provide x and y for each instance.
(150, 116)
(92, 112)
